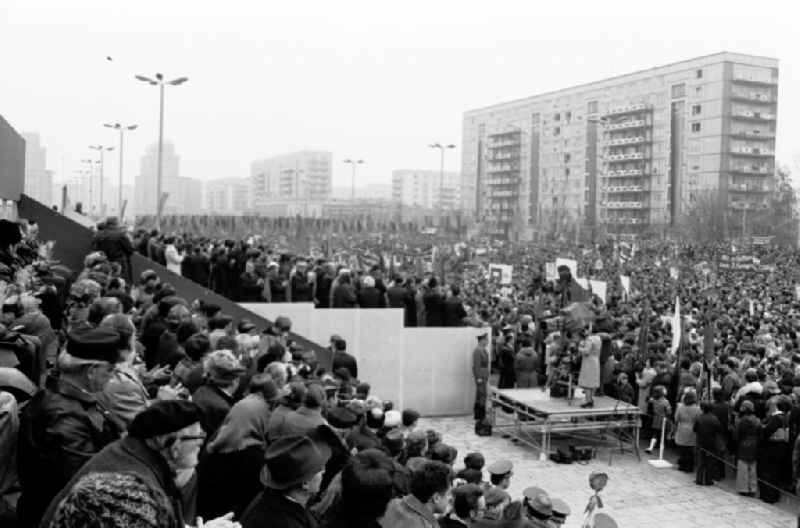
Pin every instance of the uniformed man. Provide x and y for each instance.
(480, 371)
(500, 474)
(560, 512)
(538, 507)
(64, 424)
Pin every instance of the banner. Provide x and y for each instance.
(599, 288)
(501, 273)
(626, 284)
(550, 272)
(676, 327)
(571, 264)
(738, 262)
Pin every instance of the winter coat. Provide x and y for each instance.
(685, 417)
(272, 508)
(526, 363)
(129, 455)
(215, 405)
(453, 311)
(344, 296)
(589, 377)
(746, 438)
(173, 258)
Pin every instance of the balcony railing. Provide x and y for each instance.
(624, 205)
(759, 171)
(616, 142)
(744, 187)
(751, 151)
(743, 79)
(624, 220)
(752, 134)
(613, 158)
(633, 123)
(753, 116)
(627, 109)
(615, 189)
(624, 173)
(753, 97)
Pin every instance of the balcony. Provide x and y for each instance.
(749, 115)
(616, 189)
(616, 158)
(503, 194)
(624, 125)
(624, 205)
(624, 173)
(746, 80)
(497, 156)
(752, 134)
(753, 97)
(617, 142)
(752, 170)
(743, 187)
(500, 180)
(747, 206)
(627, 109)
(504, 168)
(624, 220)
(752, 151)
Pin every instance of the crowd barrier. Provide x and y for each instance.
(427, 369)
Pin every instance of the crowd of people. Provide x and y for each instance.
(126, 404)
(129, 403)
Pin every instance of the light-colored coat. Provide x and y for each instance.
(173, 259)
(589, 377)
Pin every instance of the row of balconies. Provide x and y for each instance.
(752, 151)
(753, 169)
(624, 205)
(506, 167)
(752, 134)
(625, 141)
(497, 156)
(749, 114)
(744, 79)
(624, 220)
(503, 143)
(623, 173)
(748, 206)
(627, 109)
(502, 181)
(633, 123)
(753, 96)
(743, 187)
(503, 194)
(623, 188)
(625, 157)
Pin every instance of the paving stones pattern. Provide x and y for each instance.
(637, 494)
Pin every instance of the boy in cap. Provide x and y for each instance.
(539, 508)
(500, 474)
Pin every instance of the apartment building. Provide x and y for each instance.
(305, 175)
(426, 188)
(627, 154)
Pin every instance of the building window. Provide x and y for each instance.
(567, 157)
(568, 117)
(678, 90)
(696, 127)
(696, 109)
(556, 117)
(556, 131)
(698, 91)
(591, 107)
(699, 74)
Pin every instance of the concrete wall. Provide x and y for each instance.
(427, 369)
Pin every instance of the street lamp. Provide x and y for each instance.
(354, 163)
(122, 129)
(101, 149)
(442, 149)
(90, 174)
(160, 82)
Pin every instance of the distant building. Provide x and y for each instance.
(112, 197)
(628, 153)
(426, 188)
(185, 194)
(305, 175)
(368, 191)
(38, 180)
(12, 162)
(227, 196)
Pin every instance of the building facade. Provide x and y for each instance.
(628, 154)
(304, 175)
(146, 181)
(12, 162)
(426, 188)
(38, 180)
(227, 196)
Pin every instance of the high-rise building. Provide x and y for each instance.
(227, 196)
(426, 188)
(38, 180)
(630, 153)
(303, 175)
(146, 180)
(12, 162)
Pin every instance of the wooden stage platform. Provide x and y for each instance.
(532, 417)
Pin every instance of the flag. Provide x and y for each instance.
(676, 327)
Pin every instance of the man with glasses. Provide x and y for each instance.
(162, 446)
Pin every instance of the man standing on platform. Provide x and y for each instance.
(480, 371)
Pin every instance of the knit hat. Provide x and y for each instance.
(114, 500)
(222, 365)
(410, 416)
(164, 417)
(393, 442)
(94, 344)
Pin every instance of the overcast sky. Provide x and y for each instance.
(377, 80)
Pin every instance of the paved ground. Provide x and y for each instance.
(637, 495)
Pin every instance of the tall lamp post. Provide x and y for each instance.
(90, 172)
(122, 129)
(160, 82)
(101, 149)
(442, 149)
(354, 163)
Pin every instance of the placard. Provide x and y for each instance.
(599, 288)
(501, 273)
(571, 264)
(626, 283)
(550, 271)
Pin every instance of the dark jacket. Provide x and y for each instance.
(128, 455)
(402, 297)
(343, 359)
(114, 242)
(61, 428)
(239, 471)
(453, 311)
(301, 288)
(272, 509)
(323, 291)
(708, 431)
(746, 438)
(371, 298)
(434, 308)
(277, 289)
(198, 268)
(249, 288)
(215, 405)
(344, 296)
